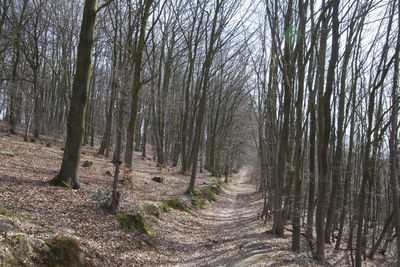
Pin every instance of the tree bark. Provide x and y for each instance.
(68, 174)
(393, 140)
(299, 133)
(137, 83)
(202, 104)
(324, 123)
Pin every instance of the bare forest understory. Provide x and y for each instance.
(225, 232)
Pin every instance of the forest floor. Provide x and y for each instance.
(228, 232)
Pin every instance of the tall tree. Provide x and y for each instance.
(393, 139)
(68, 174)
(205, 79)
(137, 80)
(324, 130)
(299, 131)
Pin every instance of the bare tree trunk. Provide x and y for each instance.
(324, 123)
(385, 230)
(278, 226)
(299, 133)
(137, 83)
(68, 174)
(202, 104)
(13, 91)
(105, 142)
(115, 195)
(393, 140)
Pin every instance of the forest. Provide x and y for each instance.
(199, 133)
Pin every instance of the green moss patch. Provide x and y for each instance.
(176, 204)
(87, 164)
(64, 251)
(7, 213)
(58, 181)
(158, 179)
(155, 208)
(16, 251)
(198, 202)
(6, 153)
(135, 221)
(208, 193)
(7, 225)
(10, 214)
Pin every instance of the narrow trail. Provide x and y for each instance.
(227, 233)
(234, 227)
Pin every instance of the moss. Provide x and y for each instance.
(135, 221)
(158, 179)
(151, 209)
(206, 193)
(16, 262)
(13, 215)
(87, 163)
(163, 206)
(57, 181)
(176, 204)
(64, 251)
(199, 202)
(216, 189)
(7, 212)
(228, 180)
(130, 244)
(155, 208)
(22, 252)
(257, 195)
(7, 153)
(20, 238)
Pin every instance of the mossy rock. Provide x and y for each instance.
(7, 257)
(16, 251)
(206, 193)
(87, 164)
(135, 221)
(7, 213)
(64, 251)
(155, 208)
(7, 153)
(10, 214)
(198, 202)
(163, 206)
(176, 204)
(158, 179)
(7, 225)
(23, 250)
(216, 189)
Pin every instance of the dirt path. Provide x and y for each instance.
(227, 233)
(234, 227)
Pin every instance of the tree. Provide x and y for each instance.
(299, 132)
(202, 105)
(393, 138)
(137, 81)
(68, 174)
(324, 123)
